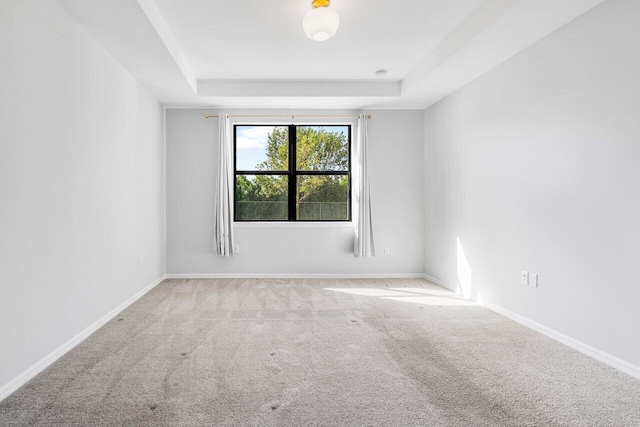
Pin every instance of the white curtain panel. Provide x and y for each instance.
(363, 245)
(224, 190)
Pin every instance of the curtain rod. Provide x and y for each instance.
(292, 116)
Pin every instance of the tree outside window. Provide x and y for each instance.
(292, 173)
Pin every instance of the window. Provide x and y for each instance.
(292, 173)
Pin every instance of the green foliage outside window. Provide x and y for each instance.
(322, 193)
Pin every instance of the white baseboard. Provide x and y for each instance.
(294, 276)
(439, 282)
(583, 348)
(593, 352)
(42, 364)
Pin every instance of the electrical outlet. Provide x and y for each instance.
(236, 249)
(387, 251)
(524, 277)
(533, 280)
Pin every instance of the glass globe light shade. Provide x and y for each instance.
(321, 23)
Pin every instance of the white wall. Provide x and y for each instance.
(81, 183)
(534, 166)
(396, 147)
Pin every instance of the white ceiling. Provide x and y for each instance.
(257, 39)
(254, 53)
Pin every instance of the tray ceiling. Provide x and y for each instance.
(254, 54)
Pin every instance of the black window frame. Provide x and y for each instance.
(292, 173)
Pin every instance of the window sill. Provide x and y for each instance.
(286, 224)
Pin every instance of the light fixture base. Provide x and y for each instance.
(320, 3)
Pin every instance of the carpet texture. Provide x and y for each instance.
(251, 352)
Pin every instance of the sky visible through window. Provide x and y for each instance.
(252, 143)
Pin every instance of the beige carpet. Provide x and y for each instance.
(320, 352)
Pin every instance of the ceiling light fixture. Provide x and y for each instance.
(321, 23)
